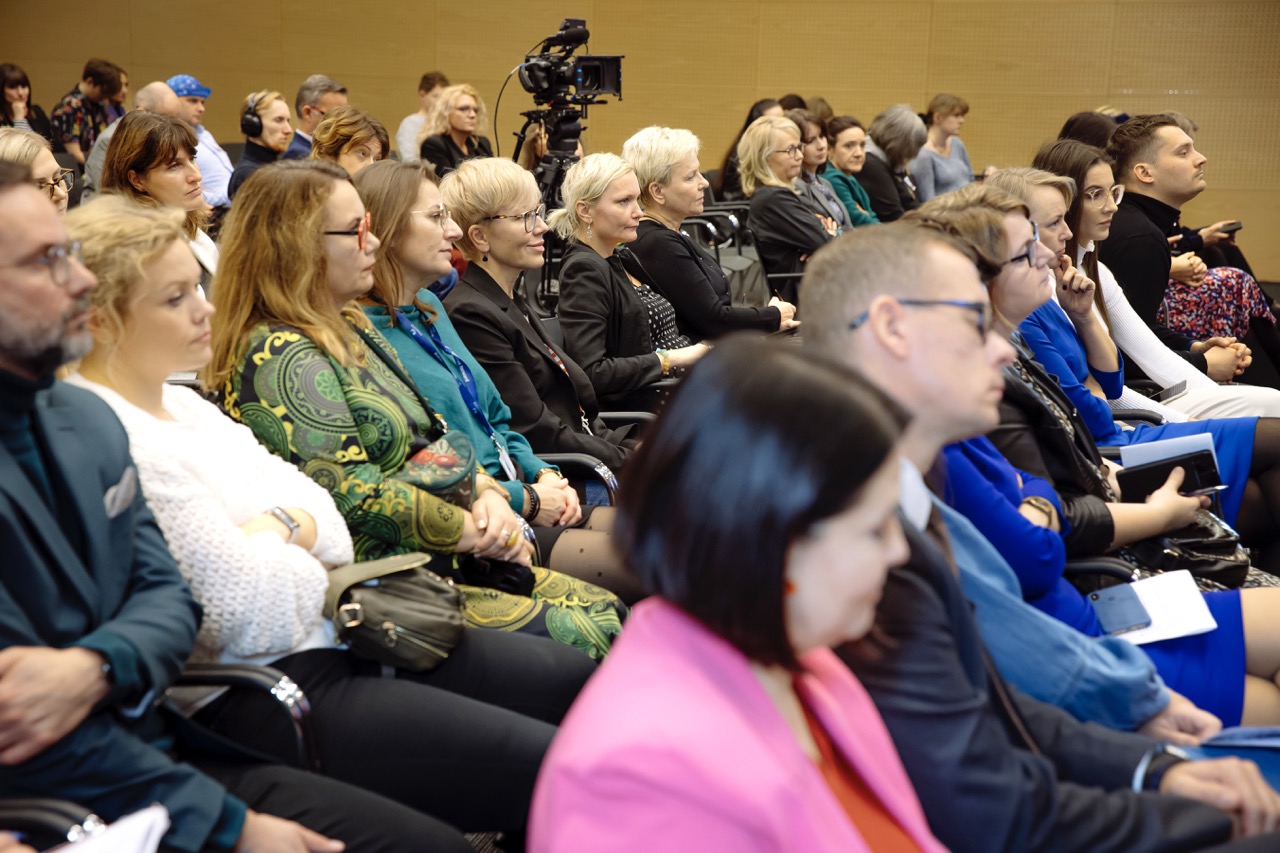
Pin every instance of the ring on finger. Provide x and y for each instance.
(512, 539)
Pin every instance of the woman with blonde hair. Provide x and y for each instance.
(226, 506)
(300, 364)
(497, 205)
(152, 162)
(414, 254)
(672, 188)
(264, 121)
(30, 149)
(616, 324)
(452, 132)
(350, 137)
(786, 230)
(894, 139)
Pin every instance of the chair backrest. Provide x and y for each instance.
(234, 151)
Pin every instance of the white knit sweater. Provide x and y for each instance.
(203, 476)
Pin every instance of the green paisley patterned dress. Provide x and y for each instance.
(351, 429)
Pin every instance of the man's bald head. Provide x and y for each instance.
(157, 97)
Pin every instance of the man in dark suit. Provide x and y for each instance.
(317, 95)
(95, 619)
(994, 769)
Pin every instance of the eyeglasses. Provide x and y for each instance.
(360, 232)
(58, 259)
(790, 150)
(1030, 254)
(438, 214)
(1097, 196)
(530, 217)
(65, 178)
(981, 310)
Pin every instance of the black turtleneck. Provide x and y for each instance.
(17, 429)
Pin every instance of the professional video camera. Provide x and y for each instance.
(564, 87)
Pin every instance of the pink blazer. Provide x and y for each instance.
(674, 745)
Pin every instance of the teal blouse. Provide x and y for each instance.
(855, 198)
(437, 384)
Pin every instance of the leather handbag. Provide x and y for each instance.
(395, 611)
(1208, 548)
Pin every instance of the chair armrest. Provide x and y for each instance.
(289, 697)
(1108, 452)
(1139, 415)
(614, 418)
(46, 821)
(1088, 574)
(585, 465)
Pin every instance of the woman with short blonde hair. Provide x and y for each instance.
(672, 189)
(452, 131)
(350, 137)
(30, 149)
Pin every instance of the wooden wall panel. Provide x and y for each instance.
(1024, 66)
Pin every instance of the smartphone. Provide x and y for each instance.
(1173, 392)
(1119, 609)
(1231, 227)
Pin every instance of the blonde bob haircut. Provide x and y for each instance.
(261, 100)
(272, 266)
(438, 120)
(654, 153)
(754, 149)
(21, 146)
(1019, 181)
(484, 187)
(584, 183)
(118, 239)
(344, 128)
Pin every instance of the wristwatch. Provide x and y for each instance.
(1044, 505)
(284, 518)
(1150, 771)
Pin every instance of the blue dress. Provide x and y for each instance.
(1052, 338)
(1206, 668)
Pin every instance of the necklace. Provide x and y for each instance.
(653, 217)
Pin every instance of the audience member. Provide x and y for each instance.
(535, 147)
(413, 254)
(792, 102)
(616, 325)
(453, 129)
(749, 734)
(785, 229)
(814, 189)
(81, 114)
(317, 95)
(943, 163)
(994, 769)
(262, 585)
(32, 152)
(500, 212)
(672, 188)
(1089, 127)
(413, 129)
(894, 139)
(98, 620)
(154, 97)
(819, 107)
(215, 165)
(115, 105)
(847, 139)
(296, 251)
(151, 161)
(264, 121)
(16, 108)
(727, 185)
(350, 137)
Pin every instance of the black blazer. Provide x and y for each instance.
(694, 284)
(785, 228)
(606, 326)
(983, 790)
(890, 194)
(442, 152)
(546, 405)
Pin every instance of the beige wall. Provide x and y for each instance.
(1024, 65)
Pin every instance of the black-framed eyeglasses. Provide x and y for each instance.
(981, 310)
(438, 214)
(360, 232)
(1030, 254)
(790, 150)
(65, 178)
(530, 217)
(58, 259)
(1097, 196)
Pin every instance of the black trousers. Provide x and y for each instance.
(462, 743)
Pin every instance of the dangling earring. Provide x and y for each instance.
(588, 230)
(485, 256)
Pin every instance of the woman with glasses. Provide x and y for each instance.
(16, 109)
(305, 369)
(815, 189)
(453, 129)
(893, 140)
(847, 140)
(616, 324)
(33, 151)
(414, 252)
(785, 229)
(671, 189)
(350, 137)
(499, 209)
(152, 162)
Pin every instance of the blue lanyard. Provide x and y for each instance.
(466, 382)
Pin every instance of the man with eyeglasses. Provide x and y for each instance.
(995, 769)
(316, 96)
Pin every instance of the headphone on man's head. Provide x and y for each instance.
(250, 121)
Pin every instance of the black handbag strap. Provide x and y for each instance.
(439, 427)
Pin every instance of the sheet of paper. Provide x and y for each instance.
(1251, 737)
(1166, 448)
(1175, 605)
(139, 832)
